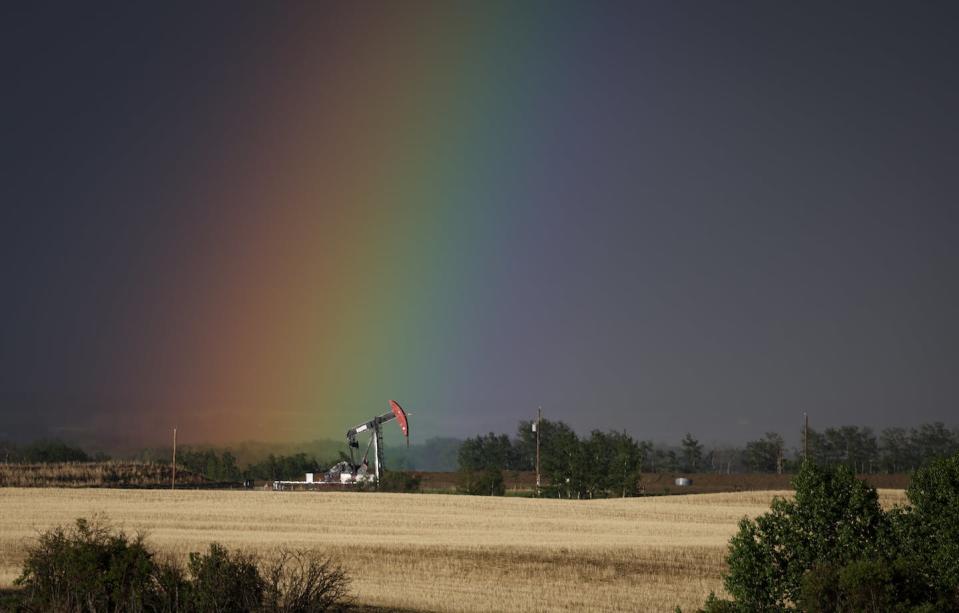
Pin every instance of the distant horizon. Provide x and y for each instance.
(793, 441)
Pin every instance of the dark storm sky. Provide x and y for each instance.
(749, 210)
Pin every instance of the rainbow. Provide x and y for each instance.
(348, 229)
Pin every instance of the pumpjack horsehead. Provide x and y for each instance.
(360, 472)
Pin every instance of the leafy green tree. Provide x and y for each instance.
(662, 460)
(489, 451)
(46, 451)
(896, 453)
(626, 464)
(764, 455)
(597, 458)
(725, 460)
(850, 445)
(564, 462)
(835, 519)
(933, 441)
(526, 441)
(834, 549)
(562, 457)
(928, 531)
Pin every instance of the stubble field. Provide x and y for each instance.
(435, 552)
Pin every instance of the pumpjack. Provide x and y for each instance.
(353, 472)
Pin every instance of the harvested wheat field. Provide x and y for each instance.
(435, 552)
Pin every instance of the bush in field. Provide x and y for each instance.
(305, 582)
(91, 568)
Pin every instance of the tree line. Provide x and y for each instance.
(603, 464)
(46, 451)
(222, 466)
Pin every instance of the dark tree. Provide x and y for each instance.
(692, 454)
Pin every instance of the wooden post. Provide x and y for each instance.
(173, 481)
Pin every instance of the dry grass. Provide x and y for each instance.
(435, 552)
(92, 474)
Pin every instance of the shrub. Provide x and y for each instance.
(87, 567)
(90, 568)
(172, 586)
(305, 582)
(224, 581)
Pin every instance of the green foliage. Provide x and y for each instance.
(719, 605)
(601, 465)
(867, 585)
(488, 482)
(397, 481)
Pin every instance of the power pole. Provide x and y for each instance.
(173, 482)
(539, 417)
(805, 437)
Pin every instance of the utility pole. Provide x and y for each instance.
(805, 437)
(539, 416)
(173, 482)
